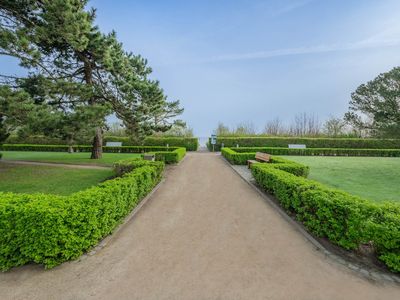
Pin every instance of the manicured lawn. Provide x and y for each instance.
(44, 179)
(66, 158)
(375, 178)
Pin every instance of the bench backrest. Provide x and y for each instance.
(113, 144)
(260, 156)
(297, 146)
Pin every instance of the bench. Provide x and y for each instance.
(149, 156)
(113, 144)
(260, 157)
(297, 146)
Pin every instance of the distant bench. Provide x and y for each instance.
(260, 157)
(297, 146)
(114, 144)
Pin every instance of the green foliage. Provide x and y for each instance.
(168, 155)
(328, 151)
(50, 229)
(128, 165)
(379, 101)
(353, 143)
(346, 220)
(80, 73)
(239, 156)
(191, 144)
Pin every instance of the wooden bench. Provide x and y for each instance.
(113, 144)
(297, 146)
(260, 157)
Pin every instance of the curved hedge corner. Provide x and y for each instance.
(191, 144)
(346, 220)
(282, 142)
(50, 229)
(239, 156)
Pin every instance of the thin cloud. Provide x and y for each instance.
(291, 7)
(372, 42)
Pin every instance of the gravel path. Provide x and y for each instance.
(204, 234)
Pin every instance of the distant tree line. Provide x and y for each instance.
(374, 111)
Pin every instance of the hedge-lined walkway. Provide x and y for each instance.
(205, 234)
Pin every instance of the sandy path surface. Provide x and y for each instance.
(204, 234)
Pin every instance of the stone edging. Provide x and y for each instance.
(368, 273)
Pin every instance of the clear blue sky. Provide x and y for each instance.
(250, 61)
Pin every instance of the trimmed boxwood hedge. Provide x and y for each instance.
(191, 144)
(239, 156)
(168, 155)
(352, 143)
(346, 220)
(50, 229)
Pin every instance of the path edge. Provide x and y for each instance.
(104, 242)
(374, 275)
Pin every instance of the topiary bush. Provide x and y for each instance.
(282, 142)
(344, 219)
(51, 229)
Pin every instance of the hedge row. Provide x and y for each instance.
(239, 156)
(191, 144)
(353, 143)
(345, 220)
(168, 155)
(50, 229)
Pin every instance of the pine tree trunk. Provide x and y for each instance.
(97, 147)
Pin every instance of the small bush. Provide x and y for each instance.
(51, 229)
(346, 220)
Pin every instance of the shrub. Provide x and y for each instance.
(282, 142)
(241, 155)
(51, 229)
(346, 220)
(191, 144)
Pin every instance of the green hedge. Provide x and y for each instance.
(239, 156)
(346, 220)
(50, 229)
(191, 144)
(168, 155)
(353, 143)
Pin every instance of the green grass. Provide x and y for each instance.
(66, 158)
(52, 180)
(374, 178)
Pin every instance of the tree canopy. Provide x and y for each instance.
(375, 106)
(78, 75)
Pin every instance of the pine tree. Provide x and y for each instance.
(74, 65)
